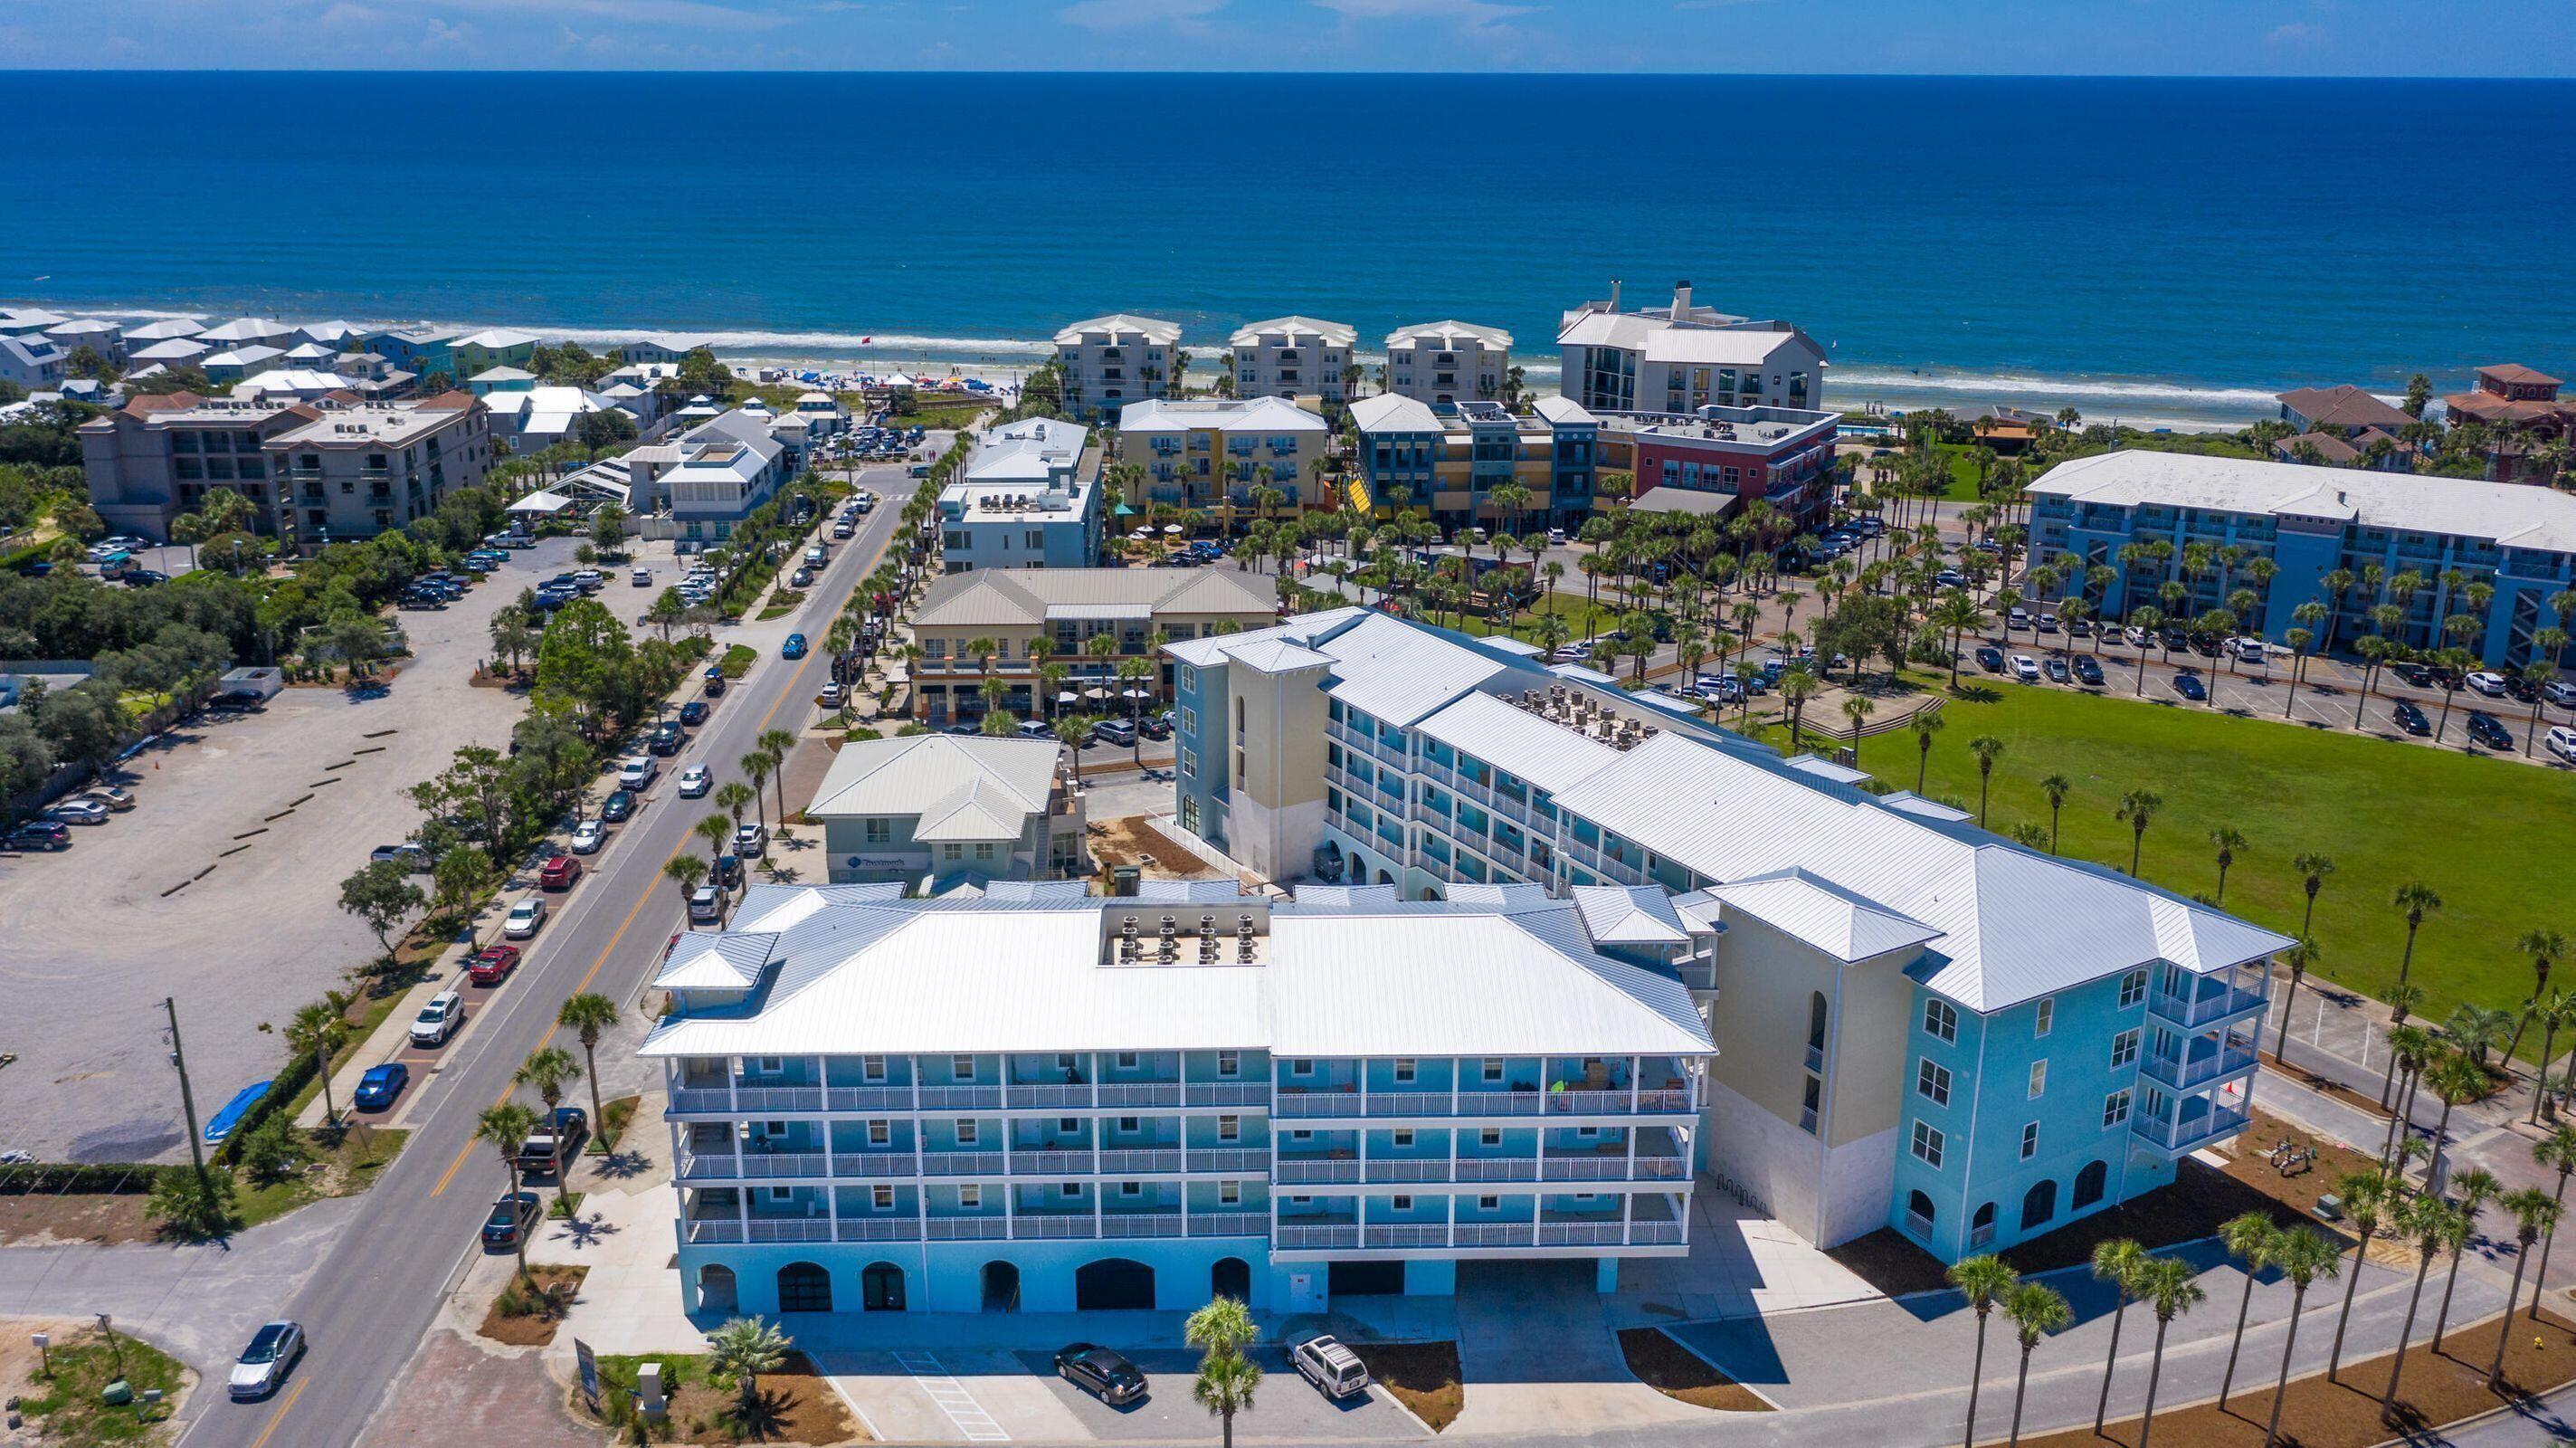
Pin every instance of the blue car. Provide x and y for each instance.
(234, 1110)
(378, 1088)
(794, 648)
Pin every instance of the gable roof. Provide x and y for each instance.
(1297, 330)
(1025, 597)
(960, 788)
(1823, 914)
(1447, 334)
(1123, 324)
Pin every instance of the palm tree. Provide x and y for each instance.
(2251, 1239)
(716, 830)
(686, 871)
(2227, 840)
(2304, 1258)
(2056, 788)
(2457, 1080)
(2432, 1222)
(2313, 869)
(546, 1071)
(2414, 900)
(1988, 749)
(590, 1016)
(2544, 947)
(2534, 1212)
(2298, 957)
(733, 797)
(319, 1030)
(2556, 1014)
(2119, 1262)
(2370, 1199)
(743, 1349)
(1224, 1387)
(778, 744)
(2035, 1311)
(505, 1126)
(755, 767)
(2164, 1283)
(2137, 810)
(1984, 1281)
(1925, 724)
(2409, 1048)
(1797, 686)
(1856, 709)
(2472, 1190)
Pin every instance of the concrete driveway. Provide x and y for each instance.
(221, 889)
(1537, 1354)
(1286, 1408)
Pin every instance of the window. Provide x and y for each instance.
(1940, 1021)
(2038, 1205)
(771, 1065)
(1493, 1070)
(1229, 1193)
(2029, 1140)
(965, 1133)
(872, 1068)
(983, 850)
(2133, 988)
(1811, 1108)
(881, 1197)
(1126, 1060)
(1403, 1204)
(1126, 1125)
(2124, 1049)
(1229, 1128)
(880, 1133)
(1068, 1190)
(1189, 716)
(952, 852)
(1064, 1062)
(970, 1195)
(1489, 1204)
(1301, 1068)
(2115, 1109)
(1490, 1136)
(2089, 1183)
(2047, 1016)
(1131, 1189)
(1919, 1213)
(1927, 1145)
(1404, 1136)
(1228, 1063)
(773, 1129)
(880, 832)
(1068, 1126)
(1189, 679)
(1932, 1082)
(1404, 1070)
(782, 1194)
(961, 1068)
(2038, 1078)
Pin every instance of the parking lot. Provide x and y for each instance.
(1287, 1408)
(221, 889)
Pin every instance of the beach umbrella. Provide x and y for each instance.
(1067, 696)
(1171, 530)
(1096, 693)
(1138, 694)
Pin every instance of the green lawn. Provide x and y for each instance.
(66, 1408)
(2477, 830)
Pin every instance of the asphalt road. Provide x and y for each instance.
(381, 1281)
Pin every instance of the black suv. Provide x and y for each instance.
(2486, 729)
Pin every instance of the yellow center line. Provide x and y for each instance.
(280, 1415)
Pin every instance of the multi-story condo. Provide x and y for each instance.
(1709, 460)
(1448, 460)
(1444, 363)
(1681, 358)
(1292, 357)
(1920, 1025)
(720, 470)
(1037, 1101)
(532, 418)
(2520, 407)
(2422, 544)
(1210, 454)
(155, 457)
(939, 809)
(359, 468)
(1111, 361)
(1029, 497)
(1036, 616)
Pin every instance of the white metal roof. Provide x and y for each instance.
(960, 788)
(1518, 742)
(707, 960)
(1392, 412)
(1296, 330)
(1244, 414)
(165, 330)
(248, 329)
(495, 339)
(2510, 514)
(1447, 334)
(1123, 326)
(1028, 596)
(1629, 915)
(1823, 914)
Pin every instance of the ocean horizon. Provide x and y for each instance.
(2164, 252)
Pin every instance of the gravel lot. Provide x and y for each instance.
(221, 889)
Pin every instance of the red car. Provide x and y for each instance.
(493, 965)
(559, 873)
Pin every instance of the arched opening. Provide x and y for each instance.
(1230, 1277)
(1113, 1284)
(1919, 1213)
(1815, 1026)
(881, 1288)
(2038, 1205)
(2089, 1183)
(717, 1292)
(804, 1287)
(1384, 878)
(1429, 893)
(1001, 1287)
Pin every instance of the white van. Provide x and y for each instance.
(2562, 742)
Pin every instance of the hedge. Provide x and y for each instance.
(289, 1084)
(62, 1178)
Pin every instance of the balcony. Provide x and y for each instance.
(1140, 1224)
(963, 1163)
(753, 1100)
(1300, 1238)
(1497, 1169)
(1405, 1234)
(2197, 1068)
(960, 1098)
(2192, 1132)
(1407, 1169)
(876, 1165)
(868, 1098)
(1226, 1093)
(1140, 1093)
(1032, 1094)
(1228, 1224)
(1051, 1163)
(1242, 1160)
(1139, 1160)
(2211, 1000)
(1290, 1171)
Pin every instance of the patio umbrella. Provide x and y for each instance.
(1138, 694)
(1171, 530)
(1067, 696)
(1095, 693)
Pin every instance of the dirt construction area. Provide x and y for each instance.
(221, 889)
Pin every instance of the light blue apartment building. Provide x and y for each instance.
(2451, 534)
(1042, 1101)
(1029, 497)
(1920, 1025)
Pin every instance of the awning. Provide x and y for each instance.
(541, 501)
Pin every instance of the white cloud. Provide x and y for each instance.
(1118, 14)
(1474, 14)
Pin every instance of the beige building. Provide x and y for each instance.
(1441, 363)
(1034, 615)
(932, 807)
(1211, 453)
(1292, 357)
(358, 469)
(156, 457)
(1111, 361)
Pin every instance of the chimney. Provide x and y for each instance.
(1614, 294)
(1681, 299)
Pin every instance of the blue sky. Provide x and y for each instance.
(2081, 37)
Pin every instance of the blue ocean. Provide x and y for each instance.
(2151, 250)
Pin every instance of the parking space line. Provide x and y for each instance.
(978, 1425)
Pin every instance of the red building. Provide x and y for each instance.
(1704, 462)
(2520, 407)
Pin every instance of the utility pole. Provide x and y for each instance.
(187, 1099)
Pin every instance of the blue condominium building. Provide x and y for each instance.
(2502, 555)
(1920, 1026)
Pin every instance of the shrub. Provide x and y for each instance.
(268, 1153)
(179, 1201)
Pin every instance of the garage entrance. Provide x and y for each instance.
(716, 1290)
(1230, 1277)
(1114, 1284)
(1001, 1287)
(881, 1288)
(804, 1287)
(1365, 1279)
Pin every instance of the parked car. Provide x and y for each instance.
(1323, 1361)
(78, 812)
(2046, 623)
(830, 698)
(637, 772)
(410, 855)
(264, 1364)
(2487, 682)
(693, 713)
(560, 873)
(2017, 619)
(1156, 727)
(666, 738)
(1990, 659)
(715, 682)
(492, 964)
(1104, 1374)
(116, 799)
(2190, 687)
(2412, 672)
(751, 840)
(2056, 669)
(2561, 741)
(2025, 668)
(1114, 731)
(512, 1213)
(619, 806)
(705, 905)
(801, 578)
(378, 1088)
(588, 836)
(564, 1134)
(2088, 671)
(2559, 691)
(2411, 719)
(438, 1020)
(524, 918)
(794, 648)
(695, 781)
(143, 577)
(2486, 729)
(38, 835)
